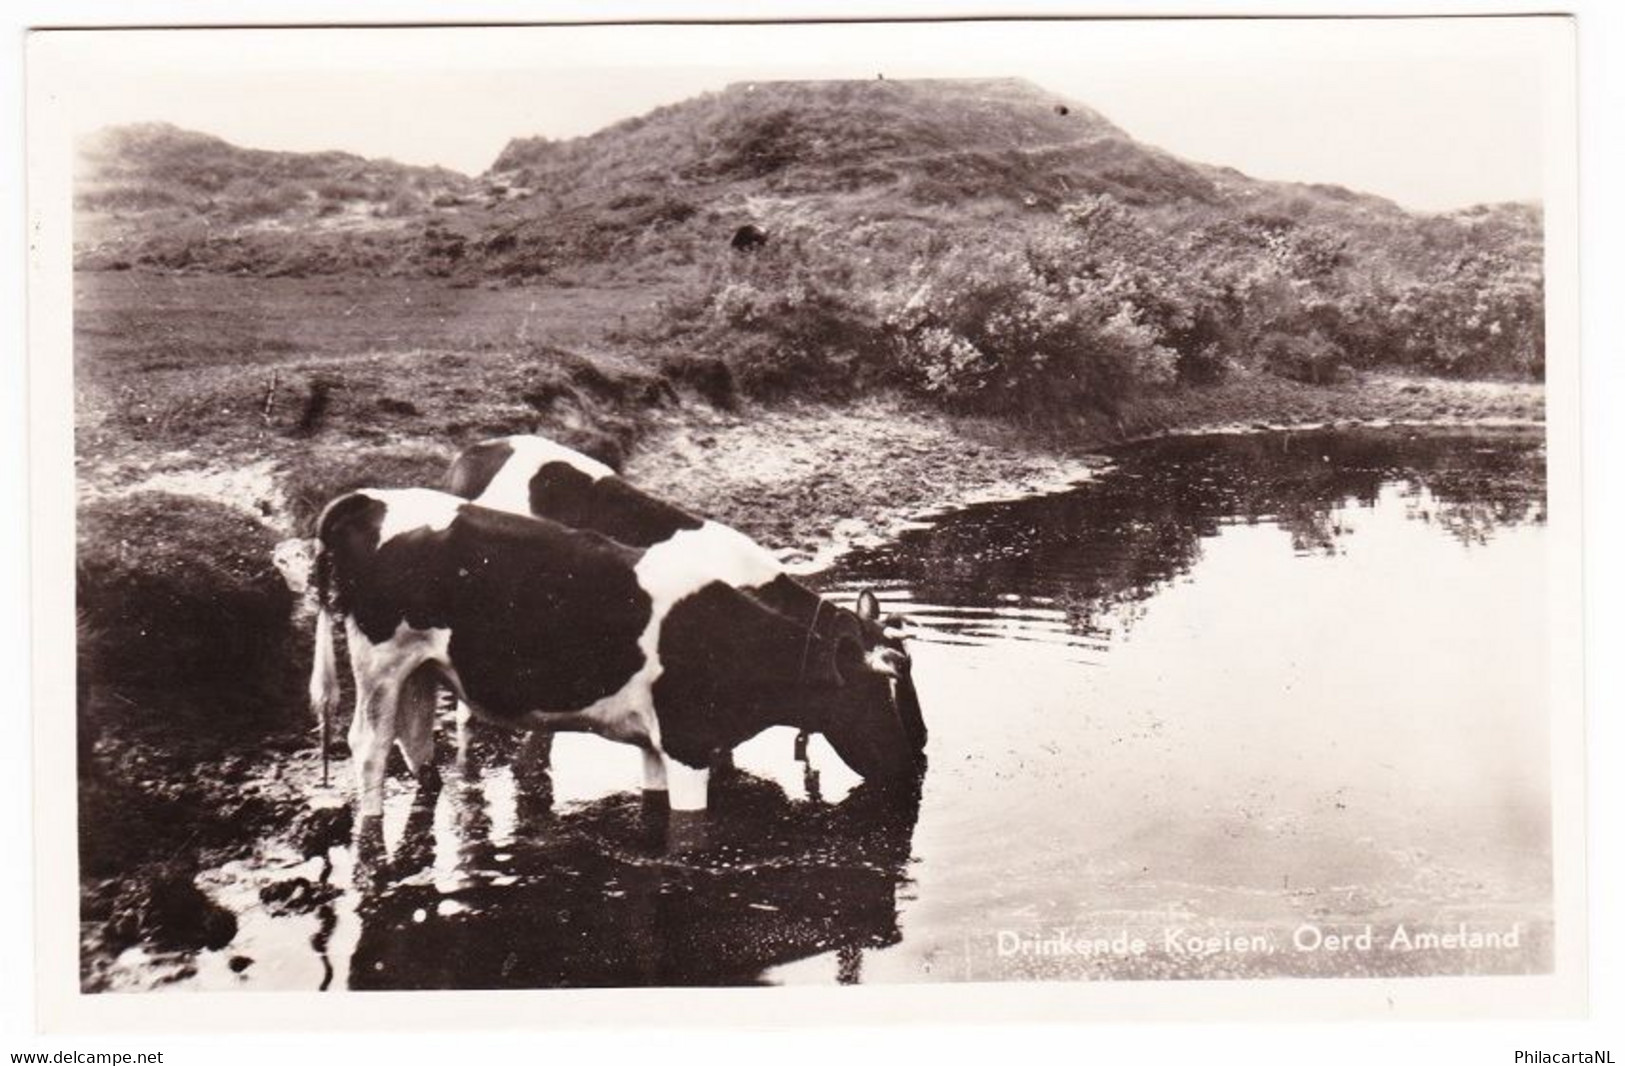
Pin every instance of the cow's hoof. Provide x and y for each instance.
(368, 849)
(416, 848)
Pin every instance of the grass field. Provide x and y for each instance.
(206, 374)
(134, 321)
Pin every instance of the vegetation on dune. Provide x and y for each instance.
(1085, 310)
(980, 244)
(158, 169)
(247, 370)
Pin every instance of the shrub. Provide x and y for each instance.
(1077, 310)
(1484, 317)
(758, 145)
(1309, 358)
(796, 317)
(1014, 332)
(178, 594)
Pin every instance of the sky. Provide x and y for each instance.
(1432, 113)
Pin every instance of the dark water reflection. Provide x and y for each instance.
(1071, 567)
(1237, 685)
(594, 897)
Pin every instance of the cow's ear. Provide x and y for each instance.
(868, 606)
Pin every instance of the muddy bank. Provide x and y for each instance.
(813, 481)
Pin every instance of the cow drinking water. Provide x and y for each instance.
(539, 626)
(533, 475)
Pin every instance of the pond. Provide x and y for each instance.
(1252, 705)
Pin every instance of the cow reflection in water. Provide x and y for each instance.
(615, 893)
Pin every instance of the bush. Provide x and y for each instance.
(1486, 317)
(1309, 358)
(1016, 333)
(794, 318)
(178, 594)
(339, 189)
(318, 398)
(1026, 331)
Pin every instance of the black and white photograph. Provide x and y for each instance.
(1001, 503)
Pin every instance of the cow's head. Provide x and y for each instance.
(874, 723)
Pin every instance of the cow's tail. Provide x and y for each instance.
(324, 671)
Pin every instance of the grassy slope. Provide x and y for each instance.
(888, 163)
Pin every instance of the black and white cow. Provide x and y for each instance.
(540, 626)
(536, 476)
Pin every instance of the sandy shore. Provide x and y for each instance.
(813, 481)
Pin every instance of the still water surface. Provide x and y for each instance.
(1234, 689)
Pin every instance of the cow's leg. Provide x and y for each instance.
(464, 738)
(372, 728)
(687, 824)
(722, 762)
(537, 752)
(371, 858)
(811, 782)
(370, 738)
(415, 850)
(372, 731)
(414, 716)
(654, 776)
(533, 776)
(686, 787)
